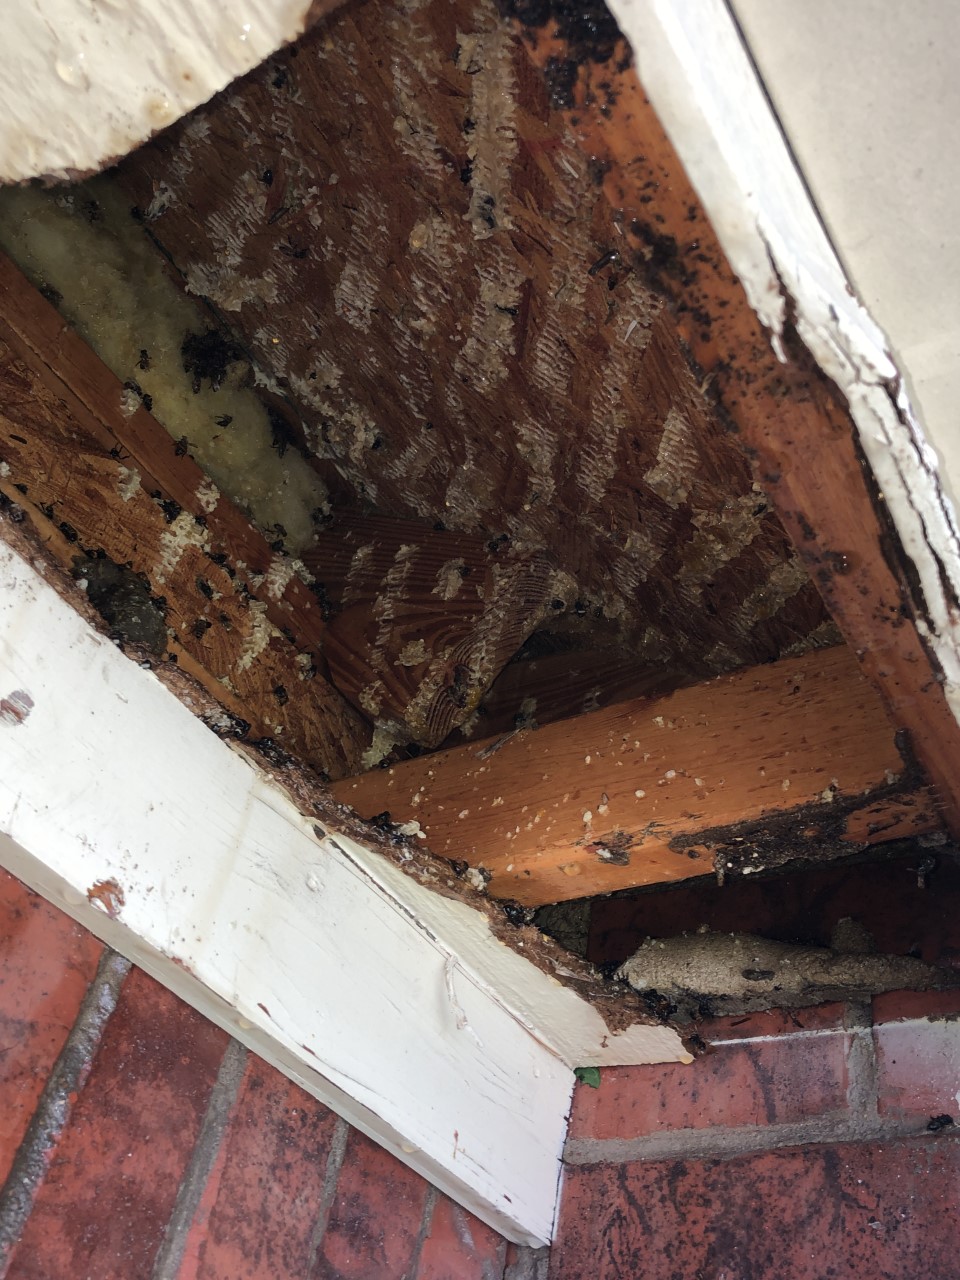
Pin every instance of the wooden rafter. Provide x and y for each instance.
(411, 623)
(789, 760)
(94, 480)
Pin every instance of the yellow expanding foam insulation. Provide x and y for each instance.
(81, 245)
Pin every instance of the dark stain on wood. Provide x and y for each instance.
(811, 833)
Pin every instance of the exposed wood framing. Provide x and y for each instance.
(794, 759)
(84, 84)
(421, 620)
(398, 1004)
(40, 337)
(392, 1003)
(790, 417)
(98, 480)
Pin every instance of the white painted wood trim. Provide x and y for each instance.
(394, 1006)
(700, 79)
(82, 82)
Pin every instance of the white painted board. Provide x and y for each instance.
(391, 1004)
(83, 82)
(868, 94)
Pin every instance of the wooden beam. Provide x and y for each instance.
(38, 334)
(397, 1005)
(97, 481)
(790, 418)
(422, 620)
(788, 760)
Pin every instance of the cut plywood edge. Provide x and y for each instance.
(86, 83)
(392, 1005)
(700, 79)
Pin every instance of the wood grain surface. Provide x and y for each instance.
(423, 620)
(788, 760)
(788, 418)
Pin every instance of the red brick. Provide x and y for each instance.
(800, 1072)
(773, 1022)
(113, 1178)
(375, 1218)
(267, 1185)
(460, 1246)
(46, 964)
(918, 1069)
(853, 1212)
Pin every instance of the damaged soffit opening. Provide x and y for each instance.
(449, 324)
(394, 220)
(481, 353)
(403, 297)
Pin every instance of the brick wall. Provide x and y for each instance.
(138, 1140)
(804, 1146)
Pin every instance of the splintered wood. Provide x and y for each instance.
(651, 790)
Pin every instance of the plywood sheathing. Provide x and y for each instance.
(789, 418)
(424, 619)
(793, 760)
(404, 233)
